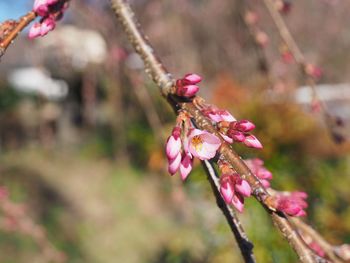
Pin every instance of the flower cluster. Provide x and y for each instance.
(257, 167)
(231, 129)
(232, 187)
(50, 12)
(187, 86)
(185, 143)
(291, 203)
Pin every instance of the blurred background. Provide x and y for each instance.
(82, 131)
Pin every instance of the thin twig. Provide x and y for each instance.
(232, 219)
(307, 231)
(19, 26)
(165, 82)
(329, 119)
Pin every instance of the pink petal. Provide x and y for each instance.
(47, 25)
(173, 147)
(189, 90)
(245, 126)
(237, 136)
(227, 192)
(226, 138)
(185, 167)
(34, 30)
(174, 164)
(41, 7)
(238, 202)
(253, 142)
(226, 116)
(243, 188)
(192, 79)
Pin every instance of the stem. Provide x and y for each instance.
(308, 231)
(232, 219)
(21, 24)
(165, 82)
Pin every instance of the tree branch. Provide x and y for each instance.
(165, 82)
(8, 35)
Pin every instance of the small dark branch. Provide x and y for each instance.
(8, 35)
(165, 82)
(233, 221)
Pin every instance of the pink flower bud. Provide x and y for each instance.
(244, 126)
(173, 145)
(34, 30)
(185, 166)
(41, 7)
(237, 136)
(238, 202)
(253, 142)
(47, 25)
(226, 190)
(174, 164)
(191, 79)
(51, 2)
(243, 188)
(187, 91)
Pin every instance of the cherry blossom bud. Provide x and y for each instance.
(174, 164)
(173, 145)
(253, 142)
(41, 7)
(226, 188)
(51, 2)
(238, 202)
(34, 30)
(185, 166)
(191, 79)
(237, 136)
(243, 188)
(47, 25)
(187, 91)
(244, 125)
(317, 249)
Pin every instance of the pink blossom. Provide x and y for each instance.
(237, 136)
(256, 166)
(233, 190)
(185, 166)
(238, 202)
(41, 7)
(187, 91)
(47, 25)
(191, 79)
(218, 115)
(253, 142)
(243, 188)
(34, 30)
(317, 249)
(186, 87)
(292, 203)
(202, 144)
(226, 188)
(243, 125)
(173, 145)
(174, 164)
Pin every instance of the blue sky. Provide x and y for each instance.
(13, 8)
